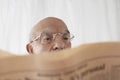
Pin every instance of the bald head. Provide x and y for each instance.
(50, 34)
(47, 24)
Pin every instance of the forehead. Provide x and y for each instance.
(52, 26)
(54, 29)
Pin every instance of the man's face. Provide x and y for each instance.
(51, 37)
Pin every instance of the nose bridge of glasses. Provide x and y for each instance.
(57, 36)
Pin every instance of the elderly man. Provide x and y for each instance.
(50, 34)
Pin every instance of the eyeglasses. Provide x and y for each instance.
(49, 37)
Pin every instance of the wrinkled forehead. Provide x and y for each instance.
(53, 29)
(51, 26)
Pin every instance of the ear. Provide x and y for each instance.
(29, 48)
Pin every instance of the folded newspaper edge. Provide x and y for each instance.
(85, 62)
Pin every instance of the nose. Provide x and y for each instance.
(58, 44)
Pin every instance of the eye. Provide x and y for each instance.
(47, 39)
(65, 38)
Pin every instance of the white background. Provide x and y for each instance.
(89, 20)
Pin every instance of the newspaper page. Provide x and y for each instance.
(97, 61)
(5, 54)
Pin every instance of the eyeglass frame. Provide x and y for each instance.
(54, 36)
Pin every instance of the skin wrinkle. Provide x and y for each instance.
(52, 25)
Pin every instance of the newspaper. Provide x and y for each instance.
(95, 61)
